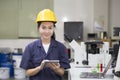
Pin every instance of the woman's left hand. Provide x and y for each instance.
(53, 66)
(56, 68)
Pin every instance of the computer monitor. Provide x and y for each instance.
(92, 36)
(74, 30)
(116, 33)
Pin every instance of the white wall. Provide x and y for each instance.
(87, 11)
(101, 13)
(15, 43)
(77, 10)
(114, 15)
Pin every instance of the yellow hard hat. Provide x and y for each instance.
(46, 15)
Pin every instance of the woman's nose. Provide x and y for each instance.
(47, 30)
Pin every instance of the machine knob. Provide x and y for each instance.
(117, 73)
(85, 62)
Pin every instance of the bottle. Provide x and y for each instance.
(100, 67)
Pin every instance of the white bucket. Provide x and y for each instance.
(19, 73)
(4, 73)
(17, 58)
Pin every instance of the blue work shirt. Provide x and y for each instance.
(34, 54)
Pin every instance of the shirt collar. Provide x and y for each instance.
(52, 44)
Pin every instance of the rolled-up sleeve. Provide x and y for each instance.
(26, 59)
(64, 62)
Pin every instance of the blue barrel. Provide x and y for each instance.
(10, 66)
(4, 57)
(17, 54)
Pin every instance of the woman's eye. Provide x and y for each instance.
(50, 28)
(43, 27)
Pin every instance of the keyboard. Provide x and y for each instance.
(91, 75)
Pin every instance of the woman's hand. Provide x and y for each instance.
(31, 72)
(56, 68)
(42, 64)
(53, 66)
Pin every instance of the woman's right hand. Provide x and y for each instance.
(31, 72)
(42, 65)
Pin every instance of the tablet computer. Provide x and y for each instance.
(51, 61)
(44, 62)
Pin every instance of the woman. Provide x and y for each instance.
(45, 48)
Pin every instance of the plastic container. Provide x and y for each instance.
(10, 66)
(4, 73)
(17, 58)
(19, 73)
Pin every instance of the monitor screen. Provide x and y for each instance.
(116, 31)
(92, 36)
(73, 30)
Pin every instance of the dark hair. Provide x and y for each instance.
(53, 36)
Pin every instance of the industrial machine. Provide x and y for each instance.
(89, 54)
(117, 68)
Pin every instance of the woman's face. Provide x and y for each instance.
(46, 30)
